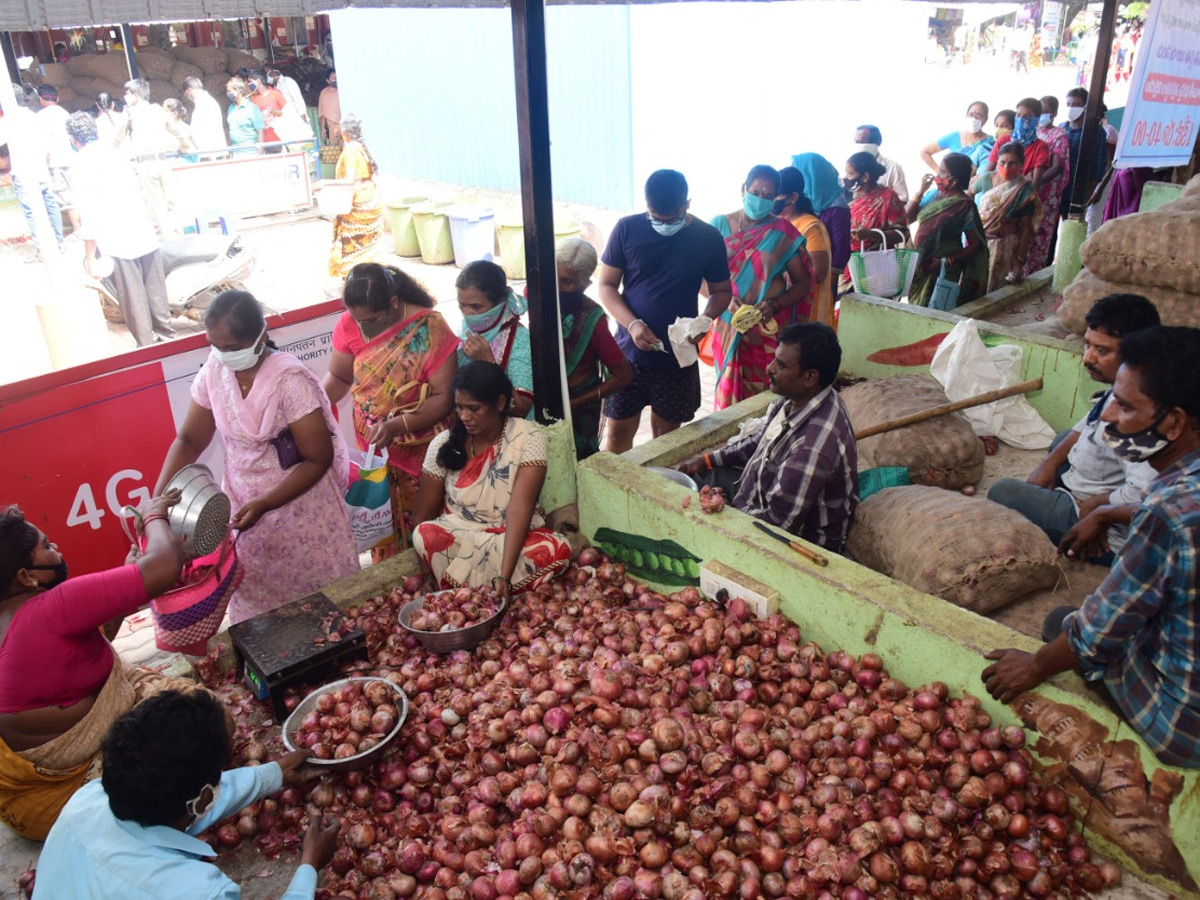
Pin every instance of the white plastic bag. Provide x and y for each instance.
(369, 499)
(964, 367)
(680, 335)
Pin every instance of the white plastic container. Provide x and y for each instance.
(472, 232)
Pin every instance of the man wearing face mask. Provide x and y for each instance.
(1082, 484)
(1135, 636)
(134, 831)
(651, 274)
(1077, 100)
(867, 139)
(114, 221)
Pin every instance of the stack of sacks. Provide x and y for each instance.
(943, 452)
(1155, 254)
(81, 78)
(91, 74)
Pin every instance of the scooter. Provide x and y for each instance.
(198, 267)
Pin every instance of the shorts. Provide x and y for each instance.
(672, 394)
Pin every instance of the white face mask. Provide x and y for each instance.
(241, 360)
(1074, 113)
(873, 149)
(973, 126)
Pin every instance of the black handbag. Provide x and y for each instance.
(286, 449)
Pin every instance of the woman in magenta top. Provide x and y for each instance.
(61, 685)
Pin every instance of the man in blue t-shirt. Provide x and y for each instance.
(660, 257)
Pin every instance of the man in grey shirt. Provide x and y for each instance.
(1082, 478)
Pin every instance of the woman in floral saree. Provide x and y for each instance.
(395, 355)
(949, 231)
(771, 272)
(478, 519)
(356, 234)
(1011, 213)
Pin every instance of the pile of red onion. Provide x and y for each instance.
(712, 500)
(348, 721)
(611, 742)
(455, 610)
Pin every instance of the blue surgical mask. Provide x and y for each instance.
(757, 207)
(666, 229)
(1045, 119)
(231, 96)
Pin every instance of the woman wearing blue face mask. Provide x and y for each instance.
(492, 330)
(770, 271)
(1025, 133)
(285, 461)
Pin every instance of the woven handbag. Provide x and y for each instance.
(883, 273)
(185, 617)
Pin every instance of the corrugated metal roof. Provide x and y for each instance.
(30, 15)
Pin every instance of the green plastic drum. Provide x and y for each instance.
(510, 234)
(400, 220)
(433, 232)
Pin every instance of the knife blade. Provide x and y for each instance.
(798, 548)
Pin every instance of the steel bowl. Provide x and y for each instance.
(674, 475)
(449, 641)
(359, 760)
(201, 517)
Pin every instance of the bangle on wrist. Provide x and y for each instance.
(708, 460)
(496, 578)
(636, 322)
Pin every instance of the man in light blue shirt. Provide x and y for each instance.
(129, 836)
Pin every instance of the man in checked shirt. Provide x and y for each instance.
(800, 471)
(1138, 636)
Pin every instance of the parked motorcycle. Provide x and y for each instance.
(198, 267)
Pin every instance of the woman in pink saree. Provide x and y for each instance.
(285, 460)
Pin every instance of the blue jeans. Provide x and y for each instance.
(28, 193)
(1052, 511)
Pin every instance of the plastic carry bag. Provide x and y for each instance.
(369, 499)
(680, 335)
(964, 367)
(883, 273)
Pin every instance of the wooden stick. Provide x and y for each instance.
(808, 554)
(978, 400)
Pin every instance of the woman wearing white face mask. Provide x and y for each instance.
(285, 460)
(970, 140)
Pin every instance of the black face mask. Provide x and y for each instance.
(60, 573)
(779, 207)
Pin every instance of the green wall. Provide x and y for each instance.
(867, 325)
